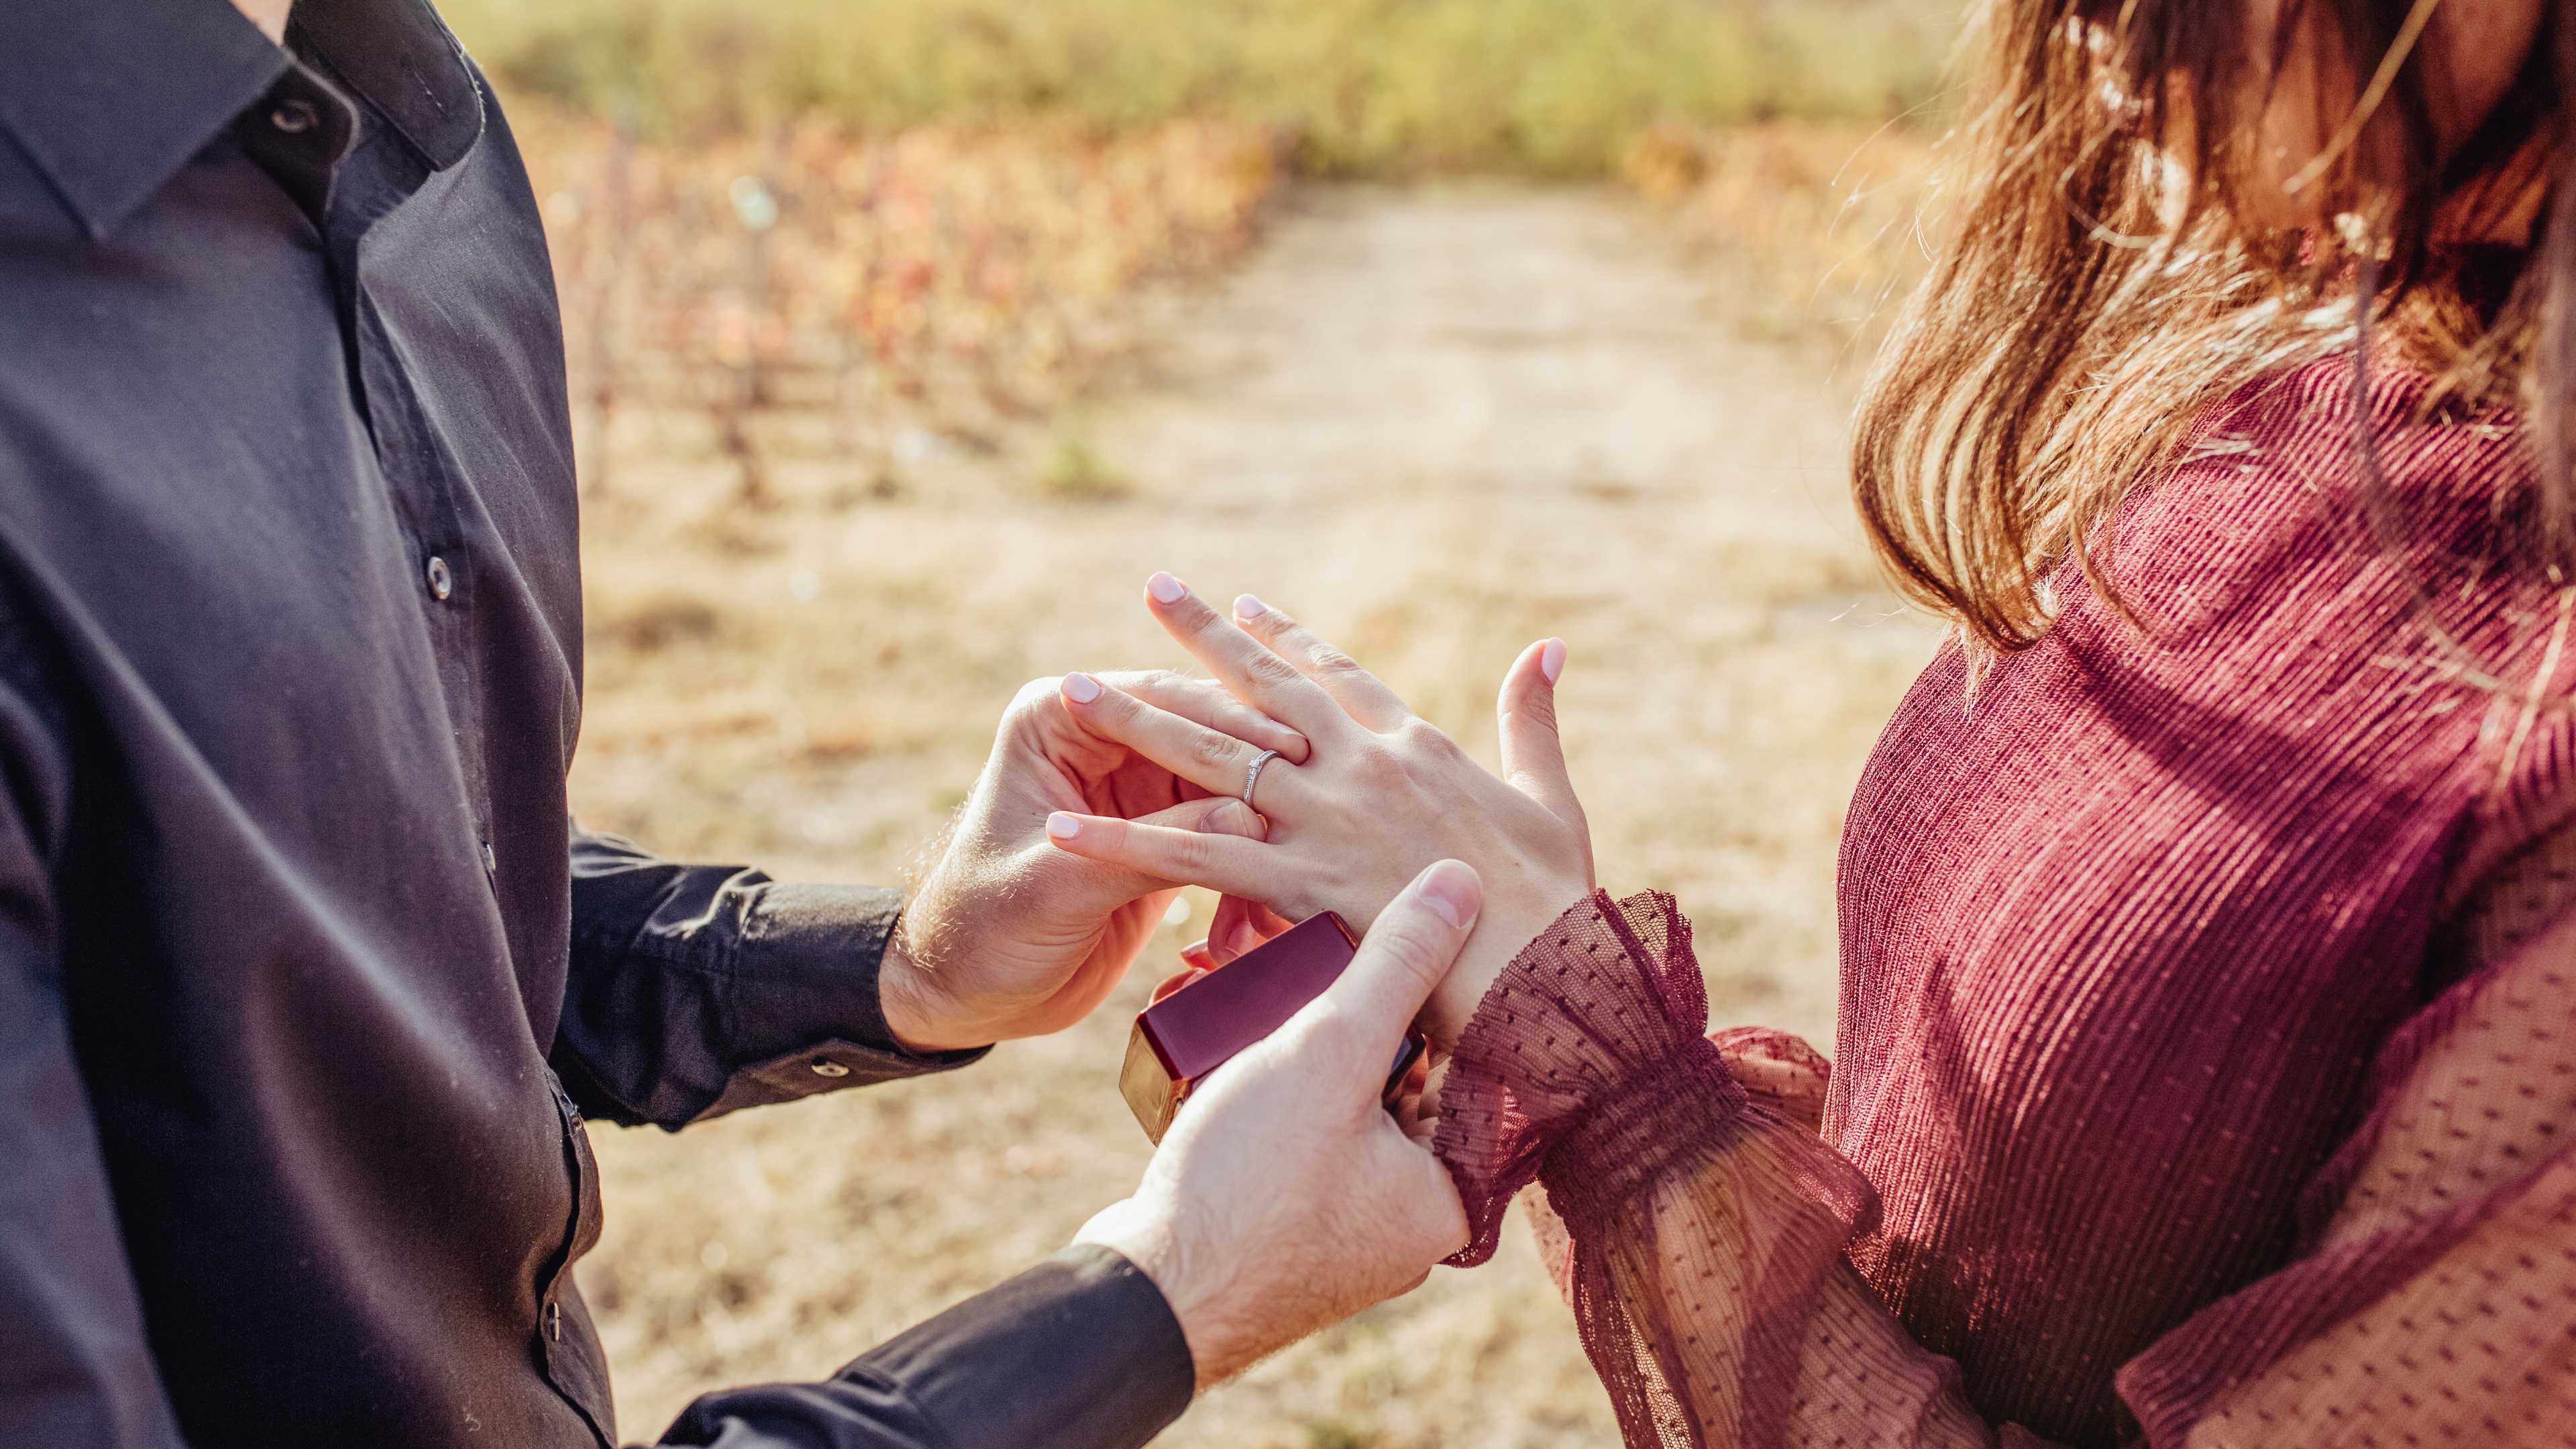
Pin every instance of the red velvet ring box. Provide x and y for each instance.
(1200, 1019)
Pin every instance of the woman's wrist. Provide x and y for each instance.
(1585, 1034)
(1507, 928)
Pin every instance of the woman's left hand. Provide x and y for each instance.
(1381, 795)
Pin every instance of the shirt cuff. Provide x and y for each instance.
(1079, 1352)
(810, 954)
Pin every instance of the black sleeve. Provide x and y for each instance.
(75, 1367)
(699, 989)
(1080, 1352)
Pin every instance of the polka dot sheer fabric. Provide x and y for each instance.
(2207, 1054)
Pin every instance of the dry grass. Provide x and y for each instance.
(931, 283)
(1436, 424)
(1812, 229)
(1353, 87)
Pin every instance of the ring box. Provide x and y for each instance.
(1200, 1019)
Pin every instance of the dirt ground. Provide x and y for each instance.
(1435, 423)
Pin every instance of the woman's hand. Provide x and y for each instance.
(1381, 794)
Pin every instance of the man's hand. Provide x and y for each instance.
(1008, 937)
(1285, 1198)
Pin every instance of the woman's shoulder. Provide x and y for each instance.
(2325, 436)
(2346, 503)
(2354, 551)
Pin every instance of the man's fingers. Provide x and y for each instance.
(1533, 754)
(1205, 702)
(1243, 665)
(1363, 694)
(1210, 759)
(1221, 861)
(1408, 950)
(1212, 817)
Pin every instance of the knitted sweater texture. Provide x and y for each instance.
(2207, 1050)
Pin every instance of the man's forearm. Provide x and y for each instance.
(694, 990)
(1080, 1352)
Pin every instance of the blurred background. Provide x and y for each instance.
(907, 337)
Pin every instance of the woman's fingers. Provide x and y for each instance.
(1363, 694)
(1219, 861)
(1204, 701)
(1239, 925)
(1533, 755)
(1213, 760)
(1085, 889)
(1243, 665)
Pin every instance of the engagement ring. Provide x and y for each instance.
(1252, 776)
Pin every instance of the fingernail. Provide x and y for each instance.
(1081, 688)
(1451, 888)
(1063, 826)
(1165, 589)
(1242, 939)
(1248, 607)
(1551, 659)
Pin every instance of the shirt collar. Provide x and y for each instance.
(109, 98)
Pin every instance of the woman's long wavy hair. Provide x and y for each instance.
(2106, 272)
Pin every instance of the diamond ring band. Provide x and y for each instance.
(1252, 776)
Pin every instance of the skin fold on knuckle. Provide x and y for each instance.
(1375, 770)
(1035, 695)
(1270, 669)
(1214, 750)
(1431, 743)
(1331, 661)
(1188, 856)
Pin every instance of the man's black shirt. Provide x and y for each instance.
(306, 977)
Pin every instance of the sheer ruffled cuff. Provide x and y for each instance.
(1703, 1218)
(1586, 1061)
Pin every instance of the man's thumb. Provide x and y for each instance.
(1409, 949)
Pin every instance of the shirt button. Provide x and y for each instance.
(295, 117)
(826, 1067)
(442, 579)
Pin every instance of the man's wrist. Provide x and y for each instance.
(1152, 1242)
(916, 1005)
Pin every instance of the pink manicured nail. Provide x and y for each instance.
(1248, 607)
(1063, 826)
(1452, 889)
(1551, 659)
(1243, 939)
(1081, 688)
(1165, 589)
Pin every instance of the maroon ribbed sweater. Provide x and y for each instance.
(2200, 1003)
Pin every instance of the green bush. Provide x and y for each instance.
(1373, 87)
